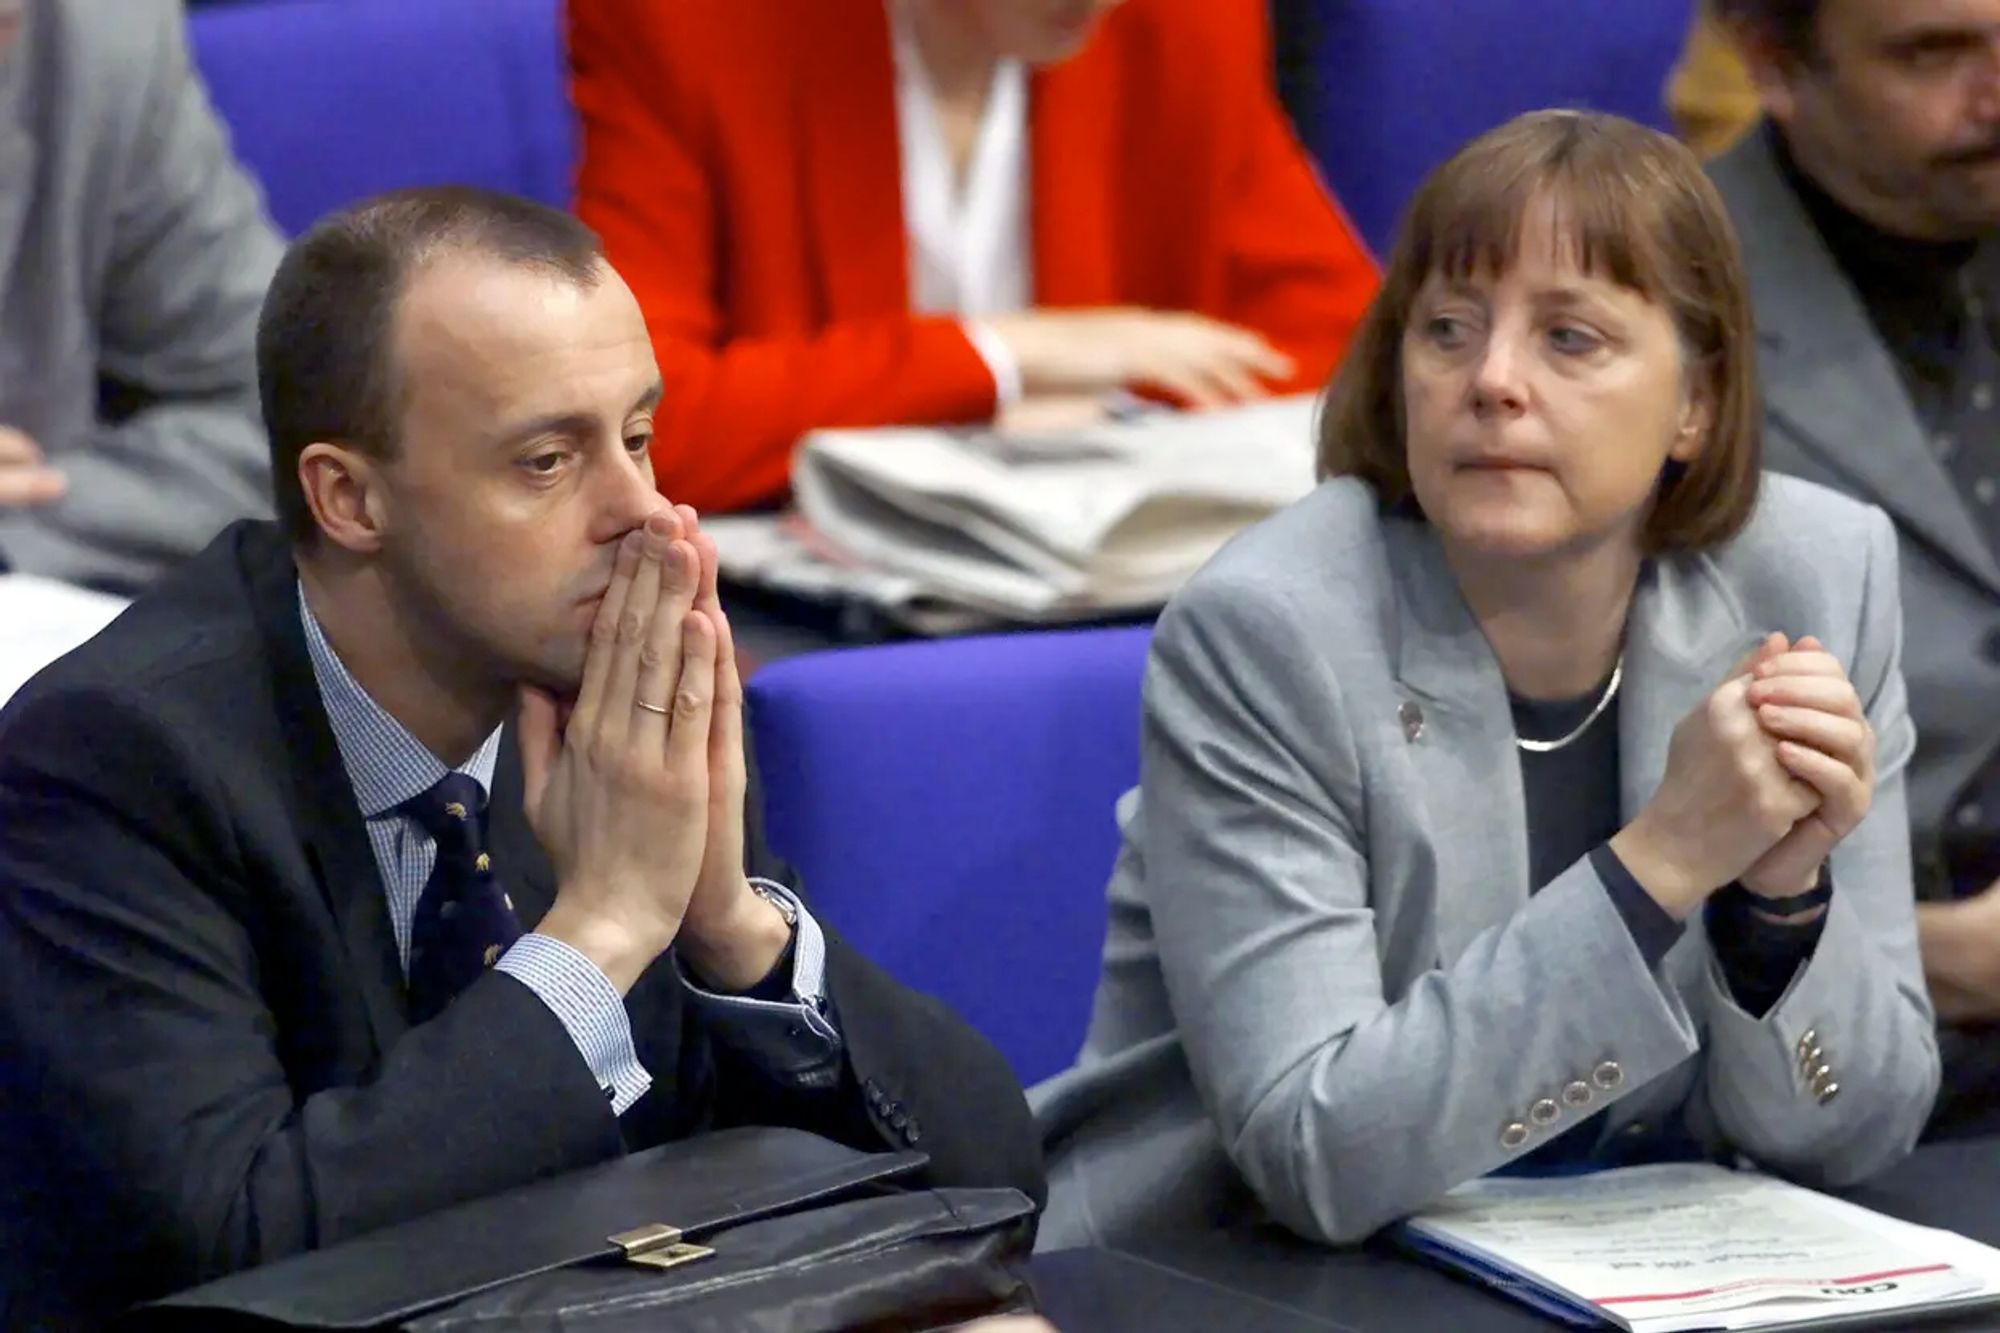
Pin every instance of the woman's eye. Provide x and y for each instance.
(1568, 338)
(1445, 330)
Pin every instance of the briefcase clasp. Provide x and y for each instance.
(657, 1245)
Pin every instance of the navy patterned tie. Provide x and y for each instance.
(464, 921)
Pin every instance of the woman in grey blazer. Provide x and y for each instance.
(1530, 795)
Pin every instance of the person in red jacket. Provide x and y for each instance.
(890, 212)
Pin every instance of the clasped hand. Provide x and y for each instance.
(1764, 778)
(636, 788)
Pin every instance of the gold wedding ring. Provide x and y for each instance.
(652, 708)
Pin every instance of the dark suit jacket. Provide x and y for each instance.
(205, 1056)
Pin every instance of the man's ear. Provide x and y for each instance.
(1774, 68)
(343, 489)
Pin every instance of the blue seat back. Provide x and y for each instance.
(332, 100)
(1394, 87)
(950, 806)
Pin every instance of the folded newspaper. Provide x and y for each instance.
(944, 530)
(1660, 1249)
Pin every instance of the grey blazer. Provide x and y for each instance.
(1325, 978)
(1836, 412)
(134, 254)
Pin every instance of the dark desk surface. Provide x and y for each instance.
(1951, 1185)
(1102, 1291)
(769, 627)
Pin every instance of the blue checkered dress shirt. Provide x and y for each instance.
(387, 766)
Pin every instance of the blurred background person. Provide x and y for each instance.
(1484, 820)
(1709, 93)
(133, 255)
(1869, 206)
(888, 212)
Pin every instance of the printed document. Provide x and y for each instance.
(1695, 1246)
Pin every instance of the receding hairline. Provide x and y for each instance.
(468, 245)
(328, 367)
(442, 254)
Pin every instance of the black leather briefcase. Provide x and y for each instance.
(771, 1230)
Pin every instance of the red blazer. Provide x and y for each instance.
(741, 162)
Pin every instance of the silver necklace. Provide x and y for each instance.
(1603, 702)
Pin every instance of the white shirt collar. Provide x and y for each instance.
(385, 764)
(969, 247)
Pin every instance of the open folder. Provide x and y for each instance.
(1657, 1249)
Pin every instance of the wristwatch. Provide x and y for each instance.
(787, 907)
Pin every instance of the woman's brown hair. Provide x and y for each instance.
(1638, 211)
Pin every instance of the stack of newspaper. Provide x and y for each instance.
(1658, 1249)
(947, 529)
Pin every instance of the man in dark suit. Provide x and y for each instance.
(398, 853)
(1869, 210)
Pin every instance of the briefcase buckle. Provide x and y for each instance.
(657, 1245)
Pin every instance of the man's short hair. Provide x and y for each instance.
(326, 370)
(1792, 25)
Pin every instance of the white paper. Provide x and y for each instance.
(1046, 526)
(780, 552)
(1696, 1246)
(40, 620)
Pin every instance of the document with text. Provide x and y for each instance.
(1658, 1249)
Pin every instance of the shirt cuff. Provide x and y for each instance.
(1758, 957)
(795, 1039)
(1651, 926)
(1000, 363)
(590, 1009)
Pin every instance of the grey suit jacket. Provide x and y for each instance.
(134, 254)
(1836, 412)
(1325, 977)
